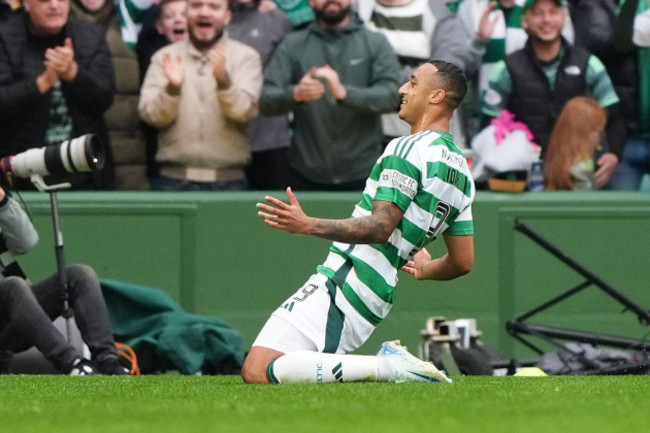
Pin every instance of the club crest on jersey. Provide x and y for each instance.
(394, 179)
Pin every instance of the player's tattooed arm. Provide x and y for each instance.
(374, 228)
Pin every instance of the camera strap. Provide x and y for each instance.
(10, 267)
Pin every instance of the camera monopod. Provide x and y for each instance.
(40, 184)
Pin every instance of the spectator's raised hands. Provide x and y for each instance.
(309, 88)
(174, 71)
(61, 60)
(218, 61)
(333, 81)
(487, 23)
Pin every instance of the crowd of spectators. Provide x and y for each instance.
(261, 94)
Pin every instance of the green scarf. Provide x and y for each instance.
(495, 49)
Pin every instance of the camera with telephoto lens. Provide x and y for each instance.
(80, 154)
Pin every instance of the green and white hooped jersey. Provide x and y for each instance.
(426, 176)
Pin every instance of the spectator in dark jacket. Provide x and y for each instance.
(56, 81)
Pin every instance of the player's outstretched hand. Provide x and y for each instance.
(415, 267)
(285, 216)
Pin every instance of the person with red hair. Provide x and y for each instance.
(569, 161)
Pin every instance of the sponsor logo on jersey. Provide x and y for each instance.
(394, 179)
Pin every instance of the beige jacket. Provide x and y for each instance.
(203, 127)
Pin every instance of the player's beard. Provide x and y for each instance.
(331, 18)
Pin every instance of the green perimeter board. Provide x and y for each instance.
(214, 255)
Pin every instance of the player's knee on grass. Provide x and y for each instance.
(253, 372)
(256, 363)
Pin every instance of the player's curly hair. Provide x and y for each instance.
(453, 81)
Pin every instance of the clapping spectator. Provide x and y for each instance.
(164, 24)
(337, 78)
(56, 82)
(199, 93)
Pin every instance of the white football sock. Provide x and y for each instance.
(316, 367)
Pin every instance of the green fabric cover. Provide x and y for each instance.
(165, 337)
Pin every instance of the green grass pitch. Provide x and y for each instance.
(173, 403)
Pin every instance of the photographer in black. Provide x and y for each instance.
(27, 310)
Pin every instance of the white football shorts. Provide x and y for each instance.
(311, 320)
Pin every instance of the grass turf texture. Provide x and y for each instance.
(223, 403)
